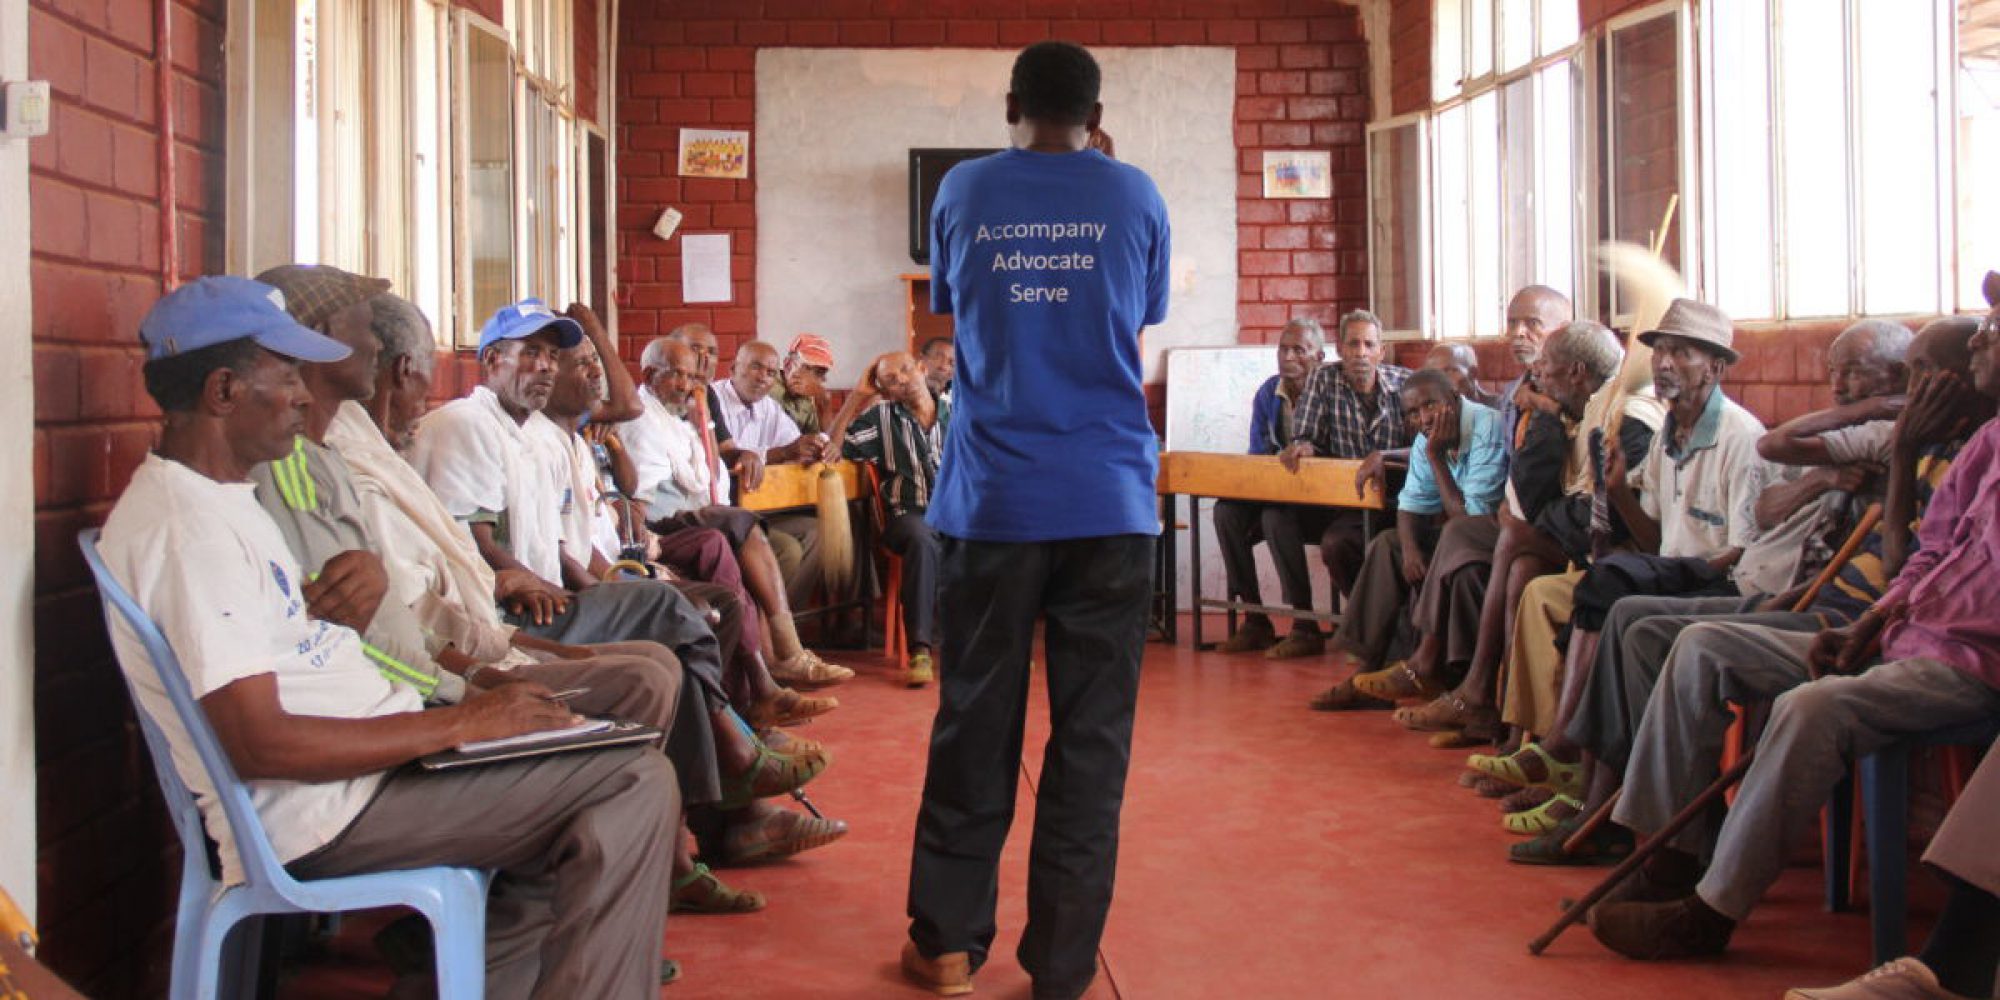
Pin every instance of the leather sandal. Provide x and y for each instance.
(780, 833)
(700, 891)
(773, 773)
(1395, 682)
(788, 708)
(1343, 697)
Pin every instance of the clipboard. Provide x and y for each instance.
(617, 734)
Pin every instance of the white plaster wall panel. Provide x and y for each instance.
(834, 130)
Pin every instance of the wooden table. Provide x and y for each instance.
(1320, 482)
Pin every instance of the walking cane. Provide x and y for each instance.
(1645, 851)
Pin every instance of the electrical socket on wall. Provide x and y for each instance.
(26, 111)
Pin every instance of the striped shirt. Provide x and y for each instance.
(1340, 423)
(902, 450)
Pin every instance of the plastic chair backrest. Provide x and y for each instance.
(253, 847)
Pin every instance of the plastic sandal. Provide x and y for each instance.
(1542, 818)
(1564, 779)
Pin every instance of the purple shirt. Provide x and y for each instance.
(1950, 587)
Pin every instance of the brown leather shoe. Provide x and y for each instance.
(1296, 645)
(1254, 635)
(948, 975)
(1684, 928)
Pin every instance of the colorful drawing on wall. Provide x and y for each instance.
(1296, 173)
(715, 153)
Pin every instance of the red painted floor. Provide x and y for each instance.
(1267, 849)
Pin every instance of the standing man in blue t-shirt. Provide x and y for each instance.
(1050, 258)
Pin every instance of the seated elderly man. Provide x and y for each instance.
(1691, 501)
(1283, 528)
(582, 842)
(1929, 431)
(759, 424)
(1457, 470)
(1957, 960)
(938, 360)
(1460, 363)
(891, 422)
(1548, 498)
(801, 391)
(674, 483)
(1940, 641)
(1350, 409)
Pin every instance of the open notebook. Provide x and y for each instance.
(589, 734)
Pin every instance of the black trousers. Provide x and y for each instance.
(1091, 594)
(917, 544)
(1286, 530)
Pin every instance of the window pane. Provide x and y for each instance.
(1896, 86)
(489, 173)
(427, 239)
(1558, 25)
(1517, 183)
(344, 126)
(1483, 172)
(1448, 52)
(1395, 219)
(1978, 147)
(1454, 260)
(1739, 251)
(1815, 177)
(1555, 205)
(1479, 58)
(1517, 33)
(1645, 137)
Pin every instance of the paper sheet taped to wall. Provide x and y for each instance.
(705, 267)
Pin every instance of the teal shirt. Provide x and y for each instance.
(1479, 468)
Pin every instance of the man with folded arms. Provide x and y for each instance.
(801, 392)
(1283, 528)
(581, 841)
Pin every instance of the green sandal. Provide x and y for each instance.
(1542, 818)
(1607, 845)
(1563, 779)
(760, 782)
(717, 898)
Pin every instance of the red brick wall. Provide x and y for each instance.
(588, 58)
(1301, 83)
(107, 858)
(1410, 55)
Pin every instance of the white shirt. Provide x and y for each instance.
(666, 451)
(207, 563)
(477, 459)
(759, 427)
(1708, 494)
(434, 565)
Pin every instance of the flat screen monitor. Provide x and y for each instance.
(927, 169)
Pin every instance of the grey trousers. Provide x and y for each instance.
(1376, 626)
(1816, 729)
(1964, 842)
(584, 845)
(794, 539)
(1637, 636)
(642, 682)
(629, 610)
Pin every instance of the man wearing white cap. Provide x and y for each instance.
(582, 841)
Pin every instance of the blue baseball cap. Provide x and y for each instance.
(221, 308)
(525, 319)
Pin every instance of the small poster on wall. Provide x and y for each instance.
(1298, 173)
(715, 153)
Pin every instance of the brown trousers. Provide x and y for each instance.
(583, 843)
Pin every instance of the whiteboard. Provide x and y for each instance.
(833, 134)
(1209, 392)
(1209, 396)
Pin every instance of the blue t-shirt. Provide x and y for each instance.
(1049, 264)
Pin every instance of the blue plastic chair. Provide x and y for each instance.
(1885, 803)
(452, 899)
